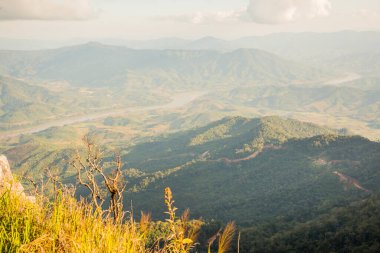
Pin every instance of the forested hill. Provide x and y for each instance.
(230, 137)
(354, 228)
(255, 170)
(98, 65)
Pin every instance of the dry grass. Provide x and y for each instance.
(68, 225)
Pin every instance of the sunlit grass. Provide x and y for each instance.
(68, 225)
(64, 225)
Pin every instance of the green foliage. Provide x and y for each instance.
(232, 137)
(295, 179)
(352, 228)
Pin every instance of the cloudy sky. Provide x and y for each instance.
(149, 19)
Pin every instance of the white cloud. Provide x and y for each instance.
(219, 16)
(366, 13)
(46, 9)
(284, 11)
(206, 17)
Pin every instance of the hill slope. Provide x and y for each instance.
(354, 228)
(231, 137)
(276, 175)
(22, 103)
(95, 64)
(338, 101)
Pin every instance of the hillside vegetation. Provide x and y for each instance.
(331, 100)
(354, 228)
(24, 103)
(98, 65)
(275, 177)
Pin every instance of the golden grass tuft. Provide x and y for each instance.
(226, 238)
(68, 225)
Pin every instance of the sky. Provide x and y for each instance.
(190, 19)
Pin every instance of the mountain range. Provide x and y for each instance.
(98, 65)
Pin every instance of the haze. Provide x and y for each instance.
(261, 112)
(87, 20)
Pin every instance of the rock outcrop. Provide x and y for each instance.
(8, 182)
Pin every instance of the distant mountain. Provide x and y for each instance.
(339, 101)
(345, 50)
(21, 103)
(309, 45)
(24, 103)
(366, 63)
(209, 43)
(324, 49)
(95, 64)
(293, 45)
(171, 43)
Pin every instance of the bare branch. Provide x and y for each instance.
(91, 169)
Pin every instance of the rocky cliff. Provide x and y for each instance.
(8, 182)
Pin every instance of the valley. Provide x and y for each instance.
(177, 100)
(282, 138)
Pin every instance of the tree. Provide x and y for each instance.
(92, 175)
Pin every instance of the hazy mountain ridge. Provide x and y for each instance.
(19, 102)
(25, 103)
(319, 48)
(345, 50)
(94, 64)
(339, 101)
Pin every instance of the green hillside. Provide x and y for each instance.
(277, 178)
(97, 65)
(288, 181)
(24, 103)
(350, 102)
(353, 228)
(231, 137)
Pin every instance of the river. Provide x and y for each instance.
(349, 77)
(178, 100)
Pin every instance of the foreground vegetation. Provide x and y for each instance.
(90, 217)
(290, 186)
(68, 225)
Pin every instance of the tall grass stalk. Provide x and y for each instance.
(68, 225)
